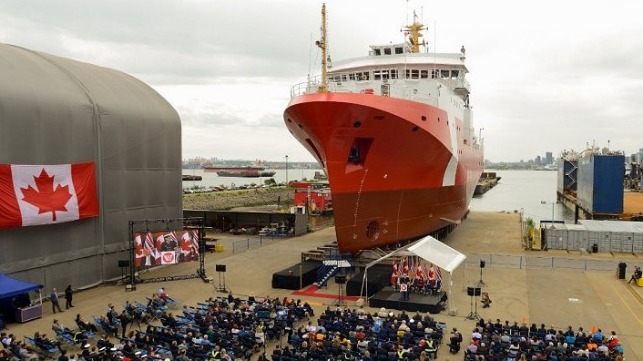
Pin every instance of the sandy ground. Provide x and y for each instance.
(558, 297)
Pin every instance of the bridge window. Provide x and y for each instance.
(387, 51)
(412, 74)
(378, 52)
(399, 50)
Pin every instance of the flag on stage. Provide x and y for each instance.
(195, 240)
(432, 272)
(418, 273)
(405, 267)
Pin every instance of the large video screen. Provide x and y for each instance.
(164, 248)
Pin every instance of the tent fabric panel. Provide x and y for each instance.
(10, 286)
(437, 253)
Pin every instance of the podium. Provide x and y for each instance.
(29, 313)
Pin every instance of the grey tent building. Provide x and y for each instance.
(60, 111)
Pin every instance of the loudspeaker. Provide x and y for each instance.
(473, 291)
(220, 268)
(482, 263)
(123, 263)
(340, 279)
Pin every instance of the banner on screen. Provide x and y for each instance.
(163, 248)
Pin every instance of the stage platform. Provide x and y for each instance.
(391, 299)
(289, 278)
(378, 277)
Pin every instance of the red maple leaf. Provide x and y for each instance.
(45, 197)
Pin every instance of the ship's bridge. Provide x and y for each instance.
(396, 74)
(390, 49)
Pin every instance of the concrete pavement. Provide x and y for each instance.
(560, 297)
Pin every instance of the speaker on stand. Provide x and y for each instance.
(482, 266)
(340, 280)
(221, 269)
(473, 292)
(123, 264)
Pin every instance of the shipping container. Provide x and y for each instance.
(556, 236)
(637, 243)
(576, 237)
(600, 183)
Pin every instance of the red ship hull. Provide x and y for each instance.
(397, 169)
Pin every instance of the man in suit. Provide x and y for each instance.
(54, 301)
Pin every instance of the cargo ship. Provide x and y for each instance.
(245, 173)
(394, 133)
(257, 166)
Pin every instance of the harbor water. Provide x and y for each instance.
(532, 192)
(211, 179)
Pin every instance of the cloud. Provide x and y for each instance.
(545, 76)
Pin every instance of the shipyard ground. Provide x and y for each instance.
(558, 296)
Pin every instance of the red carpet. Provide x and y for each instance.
(314, 291)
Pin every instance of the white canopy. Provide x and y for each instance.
(429, 249)
(438, 253)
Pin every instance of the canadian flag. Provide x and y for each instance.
(45, 194)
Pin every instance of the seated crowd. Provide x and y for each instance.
(217, 329)
(359, 335)
(501, 341)
(229, 328)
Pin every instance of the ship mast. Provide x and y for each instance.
(414, 31)
(323, 45)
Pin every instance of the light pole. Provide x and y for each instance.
(553, 204)
(286, 170)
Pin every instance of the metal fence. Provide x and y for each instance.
(542, 262)
(253, 242)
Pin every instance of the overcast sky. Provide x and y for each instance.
(545, 75)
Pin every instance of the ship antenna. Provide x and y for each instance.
(323, 45)
(415, 33)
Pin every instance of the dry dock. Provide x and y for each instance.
(529, 291)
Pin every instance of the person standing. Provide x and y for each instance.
(125, 319)
(486, 301)
(68, 296)
(54, 301)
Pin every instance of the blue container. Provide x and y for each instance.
(600, 183)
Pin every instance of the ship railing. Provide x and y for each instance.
(394, 89)
(456, 83)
